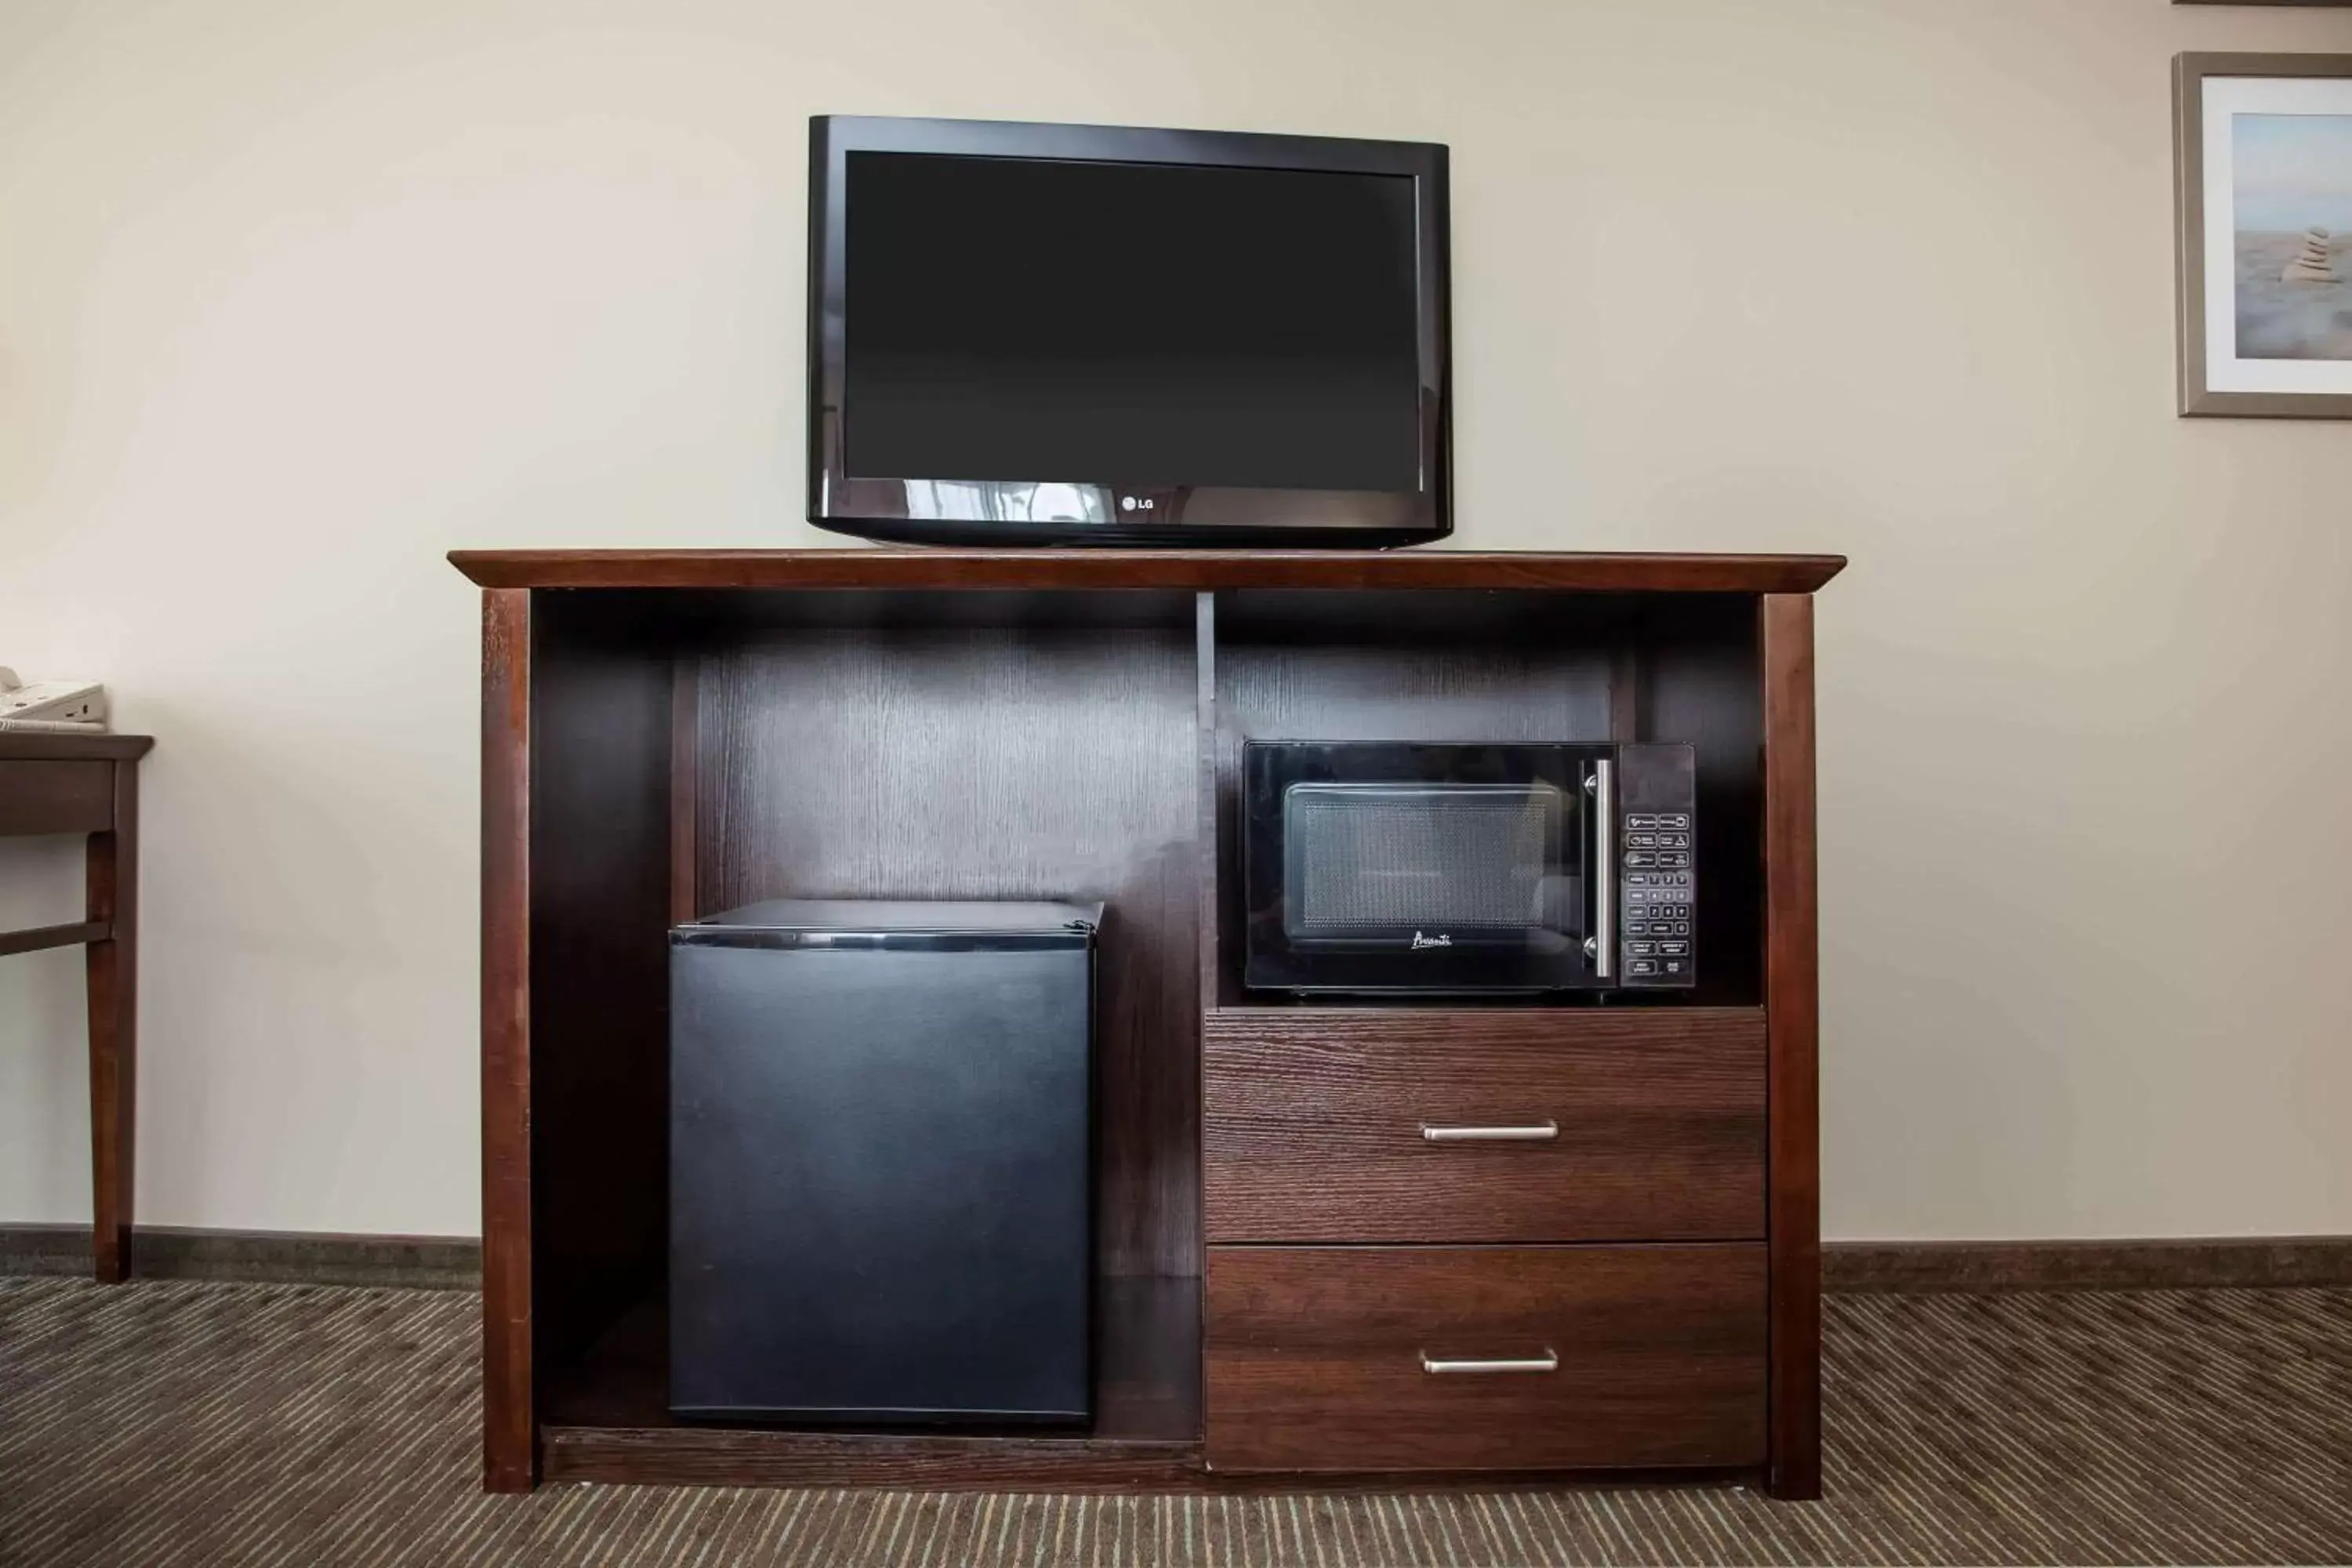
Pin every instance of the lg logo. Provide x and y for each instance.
(1132, 503)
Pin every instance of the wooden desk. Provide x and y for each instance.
(90, 783)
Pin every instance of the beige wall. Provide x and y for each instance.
(294, 297)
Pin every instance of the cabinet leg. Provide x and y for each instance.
(1798, 1481)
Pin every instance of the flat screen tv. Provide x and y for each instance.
(1070, 334)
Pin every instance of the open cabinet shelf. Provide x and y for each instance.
(607, 1417)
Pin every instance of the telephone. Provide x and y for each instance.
(73, 707)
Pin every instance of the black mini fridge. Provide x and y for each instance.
(881, 1129)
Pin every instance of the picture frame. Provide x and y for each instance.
(2262, 165)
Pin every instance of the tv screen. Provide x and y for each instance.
(1054, 334)
(1014, 319)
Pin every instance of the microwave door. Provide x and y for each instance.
(1418, 868)
(1418, 865)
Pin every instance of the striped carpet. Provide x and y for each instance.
(257, 1425)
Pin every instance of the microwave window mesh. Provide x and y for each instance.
(1372, 857)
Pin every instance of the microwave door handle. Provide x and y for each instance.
(1602, 947)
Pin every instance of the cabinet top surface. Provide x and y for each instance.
(57, 746)
(1145, 569)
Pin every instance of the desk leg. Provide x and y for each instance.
(113, 896)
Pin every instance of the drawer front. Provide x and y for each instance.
(59, 796)
(1546, 1358)
(1457, 1125)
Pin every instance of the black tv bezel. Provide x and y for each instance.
(872, 507)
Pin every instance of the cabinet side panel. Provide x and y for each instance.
(506, 1447)
(600, 902)
(1216, 936)
(684, 752)
(1792, 1009)
(1701, 683)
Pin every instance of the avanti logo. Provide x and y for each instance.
(1420, 942)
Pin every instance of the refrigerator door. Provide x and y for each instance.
(881, 1170)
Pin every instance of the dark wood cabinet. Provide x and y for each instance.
(1279, 1243)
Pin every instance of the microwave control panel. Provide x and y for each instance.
(1657, 877)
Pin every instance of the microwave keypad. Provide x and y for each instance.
(1657, 915)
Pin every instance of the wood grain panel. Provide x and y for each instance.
(1792, 1007)
(671, 1456)
(601, 739)
(685, 796)
(1047, 762)
(1703, 687)
(1313, 1357)
(1212, 939)
(52, 746)
(56, 796)
(1082, 1466)
(1418, 692)
(509, 1458)
(110, 975)
(1121, 569)
(1460, 683)
(1313, 1118)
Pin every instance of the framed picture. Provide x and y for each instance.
(2263, 145)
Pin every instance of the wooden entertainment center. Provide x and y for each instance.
(1283, 1260)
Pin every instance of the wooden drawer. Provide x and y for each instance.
(1313, 1357)
(1314, 1118)
(41, 796)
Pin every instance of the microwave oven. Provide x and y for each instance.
(1403, 868)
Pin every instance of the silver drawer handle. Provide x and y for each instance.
(1541, 1132)
(1548, 1362)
